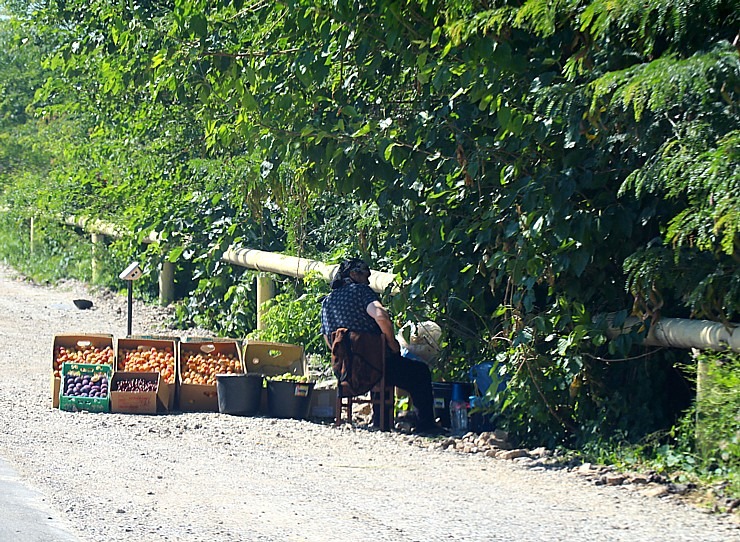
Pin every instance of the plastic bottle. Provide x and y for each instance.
(458, 411)
(474, 419)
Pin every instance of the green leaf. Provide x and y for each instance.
(363, 131)
(174, 254)
(436, 33)
(199, 25)
(388, 152)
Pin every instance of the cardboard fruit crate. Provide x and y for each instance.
(143, 354)
(274, 359)
(323, 403)
(76, 346)
(197, 390)
(140, 402)
(80, 403)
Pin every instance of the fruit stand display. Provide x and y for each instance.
(142, 355)
(199, 363)
(146, 375)
(91, 349)
(85, 387)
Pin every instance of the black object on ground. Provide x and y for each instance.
(239, 394)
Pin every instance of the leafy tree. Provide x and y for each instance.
(526, 165)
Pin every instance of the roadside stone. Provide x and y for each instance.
(513, 454)
(638, 479)
(614, 479)
(502, 444)
(540, 452)
(679, 489)
(657, 491)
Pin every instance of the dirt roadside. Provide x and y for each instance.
(211, 477)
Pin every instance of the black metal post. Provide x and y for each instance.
(130, 303)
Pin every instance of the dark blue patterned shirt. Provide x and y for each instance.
(347, 307)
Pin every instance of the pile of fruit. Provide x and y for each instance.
(290, 377)
(145, 359)
(202, 368)
(85, 385)
(81, 353)
(135, 385)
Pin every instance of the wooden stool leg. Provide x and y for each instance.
(342, 403)
(338, 409)
(390, 390)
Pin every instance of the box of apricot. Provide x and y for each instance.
(199, 362)
(148, 355)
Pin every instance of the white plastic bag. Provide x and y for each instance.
(423, 342)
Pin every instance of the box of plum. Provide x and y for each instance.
(199, 363)
(78, 348)
(85, 387)
(147, 354)
(137, 393)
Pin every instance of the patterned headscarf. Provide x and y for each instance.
(341, 276)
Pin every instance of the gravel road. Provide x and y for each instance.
(216, 478)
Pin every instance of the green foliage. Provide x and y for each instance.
(294, 316)
(56, 252)
(718, 405)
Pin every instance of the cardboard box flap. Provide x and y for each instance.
(153, 337)
(82, 340)
(272, 359)
(208, 340)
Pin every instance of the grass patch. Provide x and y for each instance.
(56, 252)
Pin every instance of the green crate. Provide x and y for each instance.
(89, 404)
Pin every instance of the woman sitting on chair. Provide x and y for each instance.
(353, 305)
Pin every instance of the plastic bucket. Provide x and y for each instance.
(287, 399)
(239, 394)
(442, 393)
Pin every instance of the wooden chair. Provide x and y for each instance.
(381, 397)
